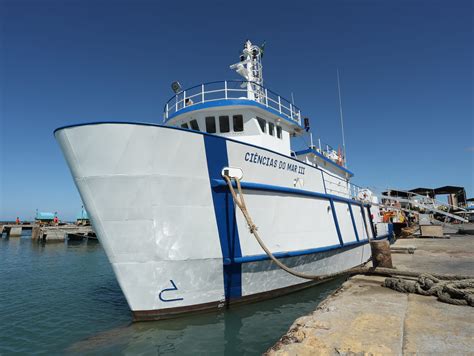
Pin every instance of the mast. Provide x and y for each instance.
(342, 120)
(250, 67)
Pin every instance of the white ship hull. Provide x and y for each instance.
(167, 222)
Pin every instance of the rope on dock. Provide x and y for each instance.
(452, 289)
(448, 290)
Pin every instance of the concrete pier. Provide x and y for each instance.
(47, 233)
(59, 233)
(363, 317)
(13, 230)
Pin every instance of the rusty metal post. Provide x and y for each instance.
(381, 255)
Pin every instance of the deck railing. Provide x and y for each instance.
(338, 186)
(231, 89)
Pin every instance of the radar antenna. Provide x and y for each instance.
(250, 67)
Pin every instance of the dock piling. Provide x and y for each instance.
(381, 254)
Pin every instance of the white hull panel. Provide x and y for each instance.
(171, 231)
(263, 276)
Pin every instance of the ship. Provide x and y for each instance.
(158, 197)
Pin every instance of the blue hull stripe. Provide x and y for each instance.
(362, 210)
(333, 209)
(275, 188)
(191, 132)
(216, 154)
(353, 221)
(264, 257)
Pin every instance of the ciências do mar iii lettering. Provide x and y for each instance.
(256, 158)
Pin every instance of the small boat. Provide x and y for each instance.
(159, 200)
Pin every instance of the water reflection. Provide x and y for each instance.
(246, 329)
(63, 297)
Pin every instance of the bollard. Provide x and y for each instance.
(381, 255)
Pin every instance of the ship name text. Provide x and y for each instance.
(273, 162)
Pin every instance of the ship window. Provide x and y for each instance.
(271, 129)
(262, 123)
(185, 126)
(224, 123)
(279, 132)
(194, 125)
(238, 123)
(211, 124)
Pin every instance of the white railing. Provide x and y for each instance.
(341, 187)
(228, 90)
(354, 190)
(329, 152)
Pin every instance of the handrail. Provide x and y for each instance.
(253, 91)
(349, 189)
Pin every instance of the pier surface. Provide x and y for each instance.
(56, 233)
(363, 317)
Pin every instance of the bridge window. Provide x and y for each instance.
(271, 129)
(211, 124)
(224, 125)
(279, 131)
(238, 123)
(262, 123)
(194, 125)
(185, 126)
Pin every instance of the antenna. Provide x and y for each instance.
(342, 119)
(250, 67)
(292, 99)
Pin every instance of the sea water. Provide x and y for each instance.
(58, 298)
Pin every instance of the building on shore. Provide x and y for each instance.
(46, 218)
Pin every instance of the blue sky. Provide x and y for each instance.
(406, 78)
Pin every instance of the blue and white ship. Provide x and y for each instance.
(160, 206)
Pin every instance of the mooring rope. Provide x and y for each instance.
(458, 292)
(452, 289)
(240, 202)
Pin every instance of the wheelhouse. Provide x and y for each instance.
(253, 115)
(246, 111)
